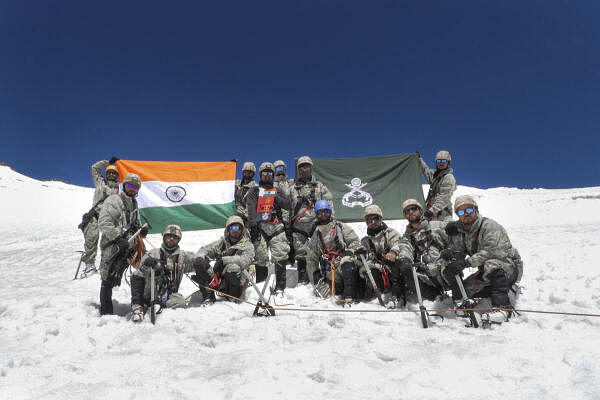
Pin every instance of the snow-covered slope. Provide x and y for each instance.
(53, 344)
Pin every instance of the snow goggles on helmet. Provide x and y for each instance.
(410, 209)
(372, 218)
(439, 161)
(235, 227)
(130, 185)
(468, 210)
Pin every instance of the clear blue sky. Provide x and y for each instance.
(511, 88)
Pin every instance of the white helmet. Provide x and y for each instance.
(443, 155)
(372, 209)
(464, 199)
(249, 166)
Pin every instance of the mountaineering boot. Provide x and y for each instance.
(499, 288)
(89, 269)
(350, 277)
(137, 313)
(208, 296)
(280, 278)
(302, 275)
(261, 273)
(233, 285)
(398, 298)
(106, 306)
(395, 302)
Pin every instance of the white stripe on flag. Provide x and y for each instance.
(174, 194)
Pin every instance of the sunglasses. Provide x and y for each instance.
(441, 161)
(410, 209)
(304, 166)
(372, 218)
(469, 210)
(280, 168)
(235, 228)
(111, 172)
(267, 172)
(171, 236)
(133, 186)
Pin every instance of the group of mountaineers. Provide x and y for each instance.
(283, 222)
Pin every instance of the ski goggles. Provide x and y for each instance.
(468, 210)
(441, 161)
(133, 186)
(372, 218)
(279, 168)
(235, 227)
(410, 209)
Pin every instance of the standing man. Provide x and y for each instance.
(104, 188)
(282, 181)
(304, 194)
(242, 187)
(265, 204)
(119, 219)
(489, 249)
(441, 187)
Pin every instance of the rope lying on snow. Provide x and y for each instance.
(350, 310)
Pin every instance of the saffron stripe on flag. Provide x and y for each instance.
(180, 171)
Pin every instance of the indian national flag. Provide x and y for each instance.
(193, 195)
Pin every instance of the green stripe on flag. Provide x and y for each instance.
(190, 217)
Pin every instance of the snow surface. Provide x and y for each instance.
(53, 344)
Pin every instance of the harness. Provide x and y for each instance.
(297, 215)
(434, 188)
(169, 279)
(385, 275)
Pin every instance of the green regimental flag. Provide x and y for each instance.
(358, 182)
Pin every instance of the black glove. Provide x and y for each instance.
(348, 253)
(447, 254)
(113, 160)
(360, 250)
(218, 267)
(455, 267)
(144, 232)
(150, 262)
(451, 228)
(418, 154)
(428, 214)
(254, 233)
(122, 244)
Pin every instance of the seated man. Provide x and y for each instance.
(384, 246)
(332, 243)
(233, 253)
(170, 263)
(489, 249)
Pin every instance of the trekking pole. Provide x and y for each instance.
(79, 265)
(466, 301)
(372, 280)
(262, 302)
(424, 319)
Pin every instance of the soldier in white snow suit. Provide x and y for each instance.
(442, 186)
(488, 248)
(232, 253)
(170, 263)
(104, 188)
(241, 188)
(265, 205)
(119, 219)
(304, 194)
(333, 242)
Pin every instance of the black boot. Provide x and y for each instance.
(499, 289)
(398, 282)
(137, 290)
(234, 287)
(350, 276)
(106, 306)
(261, 273)
(208, 296)
(280, 278)
(302, 275)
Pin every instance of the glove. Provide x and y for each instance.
(150, 262)
(451, 228)
(144, 232)
(428, 214)
(122, 244)
(113, 160)
(218, 267)
(360, 250)
(348, 253)
(455, 267)
(447, 254)
(322, 289)
(254, 233)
